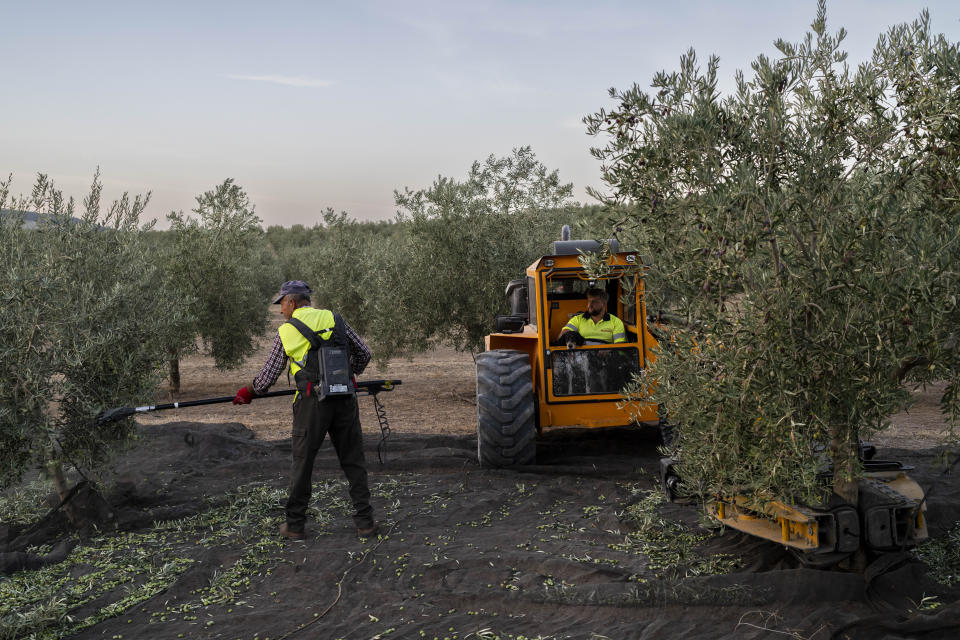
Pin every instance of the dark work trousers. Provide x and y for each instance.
(312, 420)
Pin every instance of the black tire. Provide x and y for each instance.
(506, 410)
(814, 560)
(669, 480)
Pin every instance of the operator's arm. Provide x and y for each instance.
(619, 331)
(275, 364)
(359, 351)
(570, 334)
(572, 325)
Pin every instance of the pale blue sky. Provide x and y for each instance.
(315, 104)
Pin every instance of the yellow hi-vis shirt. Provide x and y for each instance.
(610, 329)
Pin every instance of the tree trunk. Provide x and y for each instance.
(845, 482)
(174, 374)
(60, 483)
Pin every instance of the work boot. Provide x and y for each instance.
(290, 534)
(368, 532)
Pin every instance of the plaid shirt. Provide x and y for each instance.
(277, 360)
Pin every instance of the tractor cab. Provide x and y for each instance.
(576, 385)
(594, 368)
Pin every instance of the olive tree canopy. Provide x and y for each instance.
(808, 228)
(83, 327)
(469, 238)
(218, 266)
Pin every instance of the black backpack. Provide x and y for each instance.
(325, 370)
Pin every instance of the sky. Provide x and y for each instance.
(309, 105)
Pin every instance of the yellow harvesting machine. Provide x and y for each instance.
(528, 381)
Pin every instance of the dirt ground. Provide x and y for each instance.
(579, 545)
(436, 396)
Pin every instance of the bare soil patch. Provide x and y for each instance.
(437, 394)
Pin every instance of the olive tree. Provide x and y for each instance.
(336, 265)
(469, 238)
(807, 226)
(394, 295)
(219, 268)
(83, 323)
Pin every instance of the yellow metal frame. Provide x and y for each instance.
(797, 527)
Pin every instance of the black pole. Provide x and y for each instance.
(371, 387)
(221, 399)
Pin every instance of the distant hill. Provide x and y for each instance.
(30, 218)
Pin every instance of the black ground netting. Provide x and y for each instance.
(544, 550)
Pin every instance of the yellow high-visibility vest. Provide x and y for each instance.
(294, 344)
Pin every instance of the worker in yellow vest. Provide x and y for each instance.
(595, 325)
(314, 418)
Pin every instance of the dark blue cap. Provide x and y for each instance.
(293, 286)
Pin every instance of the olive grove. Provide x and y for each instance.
(807, 228)
(359, 269)
(437, 273)
(469, 238)
(219, 269)
(84, 320)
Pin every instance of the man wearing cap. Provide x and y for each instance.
(313, 419)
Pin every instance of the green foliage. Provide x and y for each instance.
(340, 265)
(24, 504)
(82, 323)
(942, 556)
(219, 267)
(358, 269)
(438, 272)
(108, 575)
(292, 246)
(807, 229)
(670, 546)
(120, 571)
(469, 238)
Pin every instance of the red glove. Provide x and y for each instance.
(244, 396)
